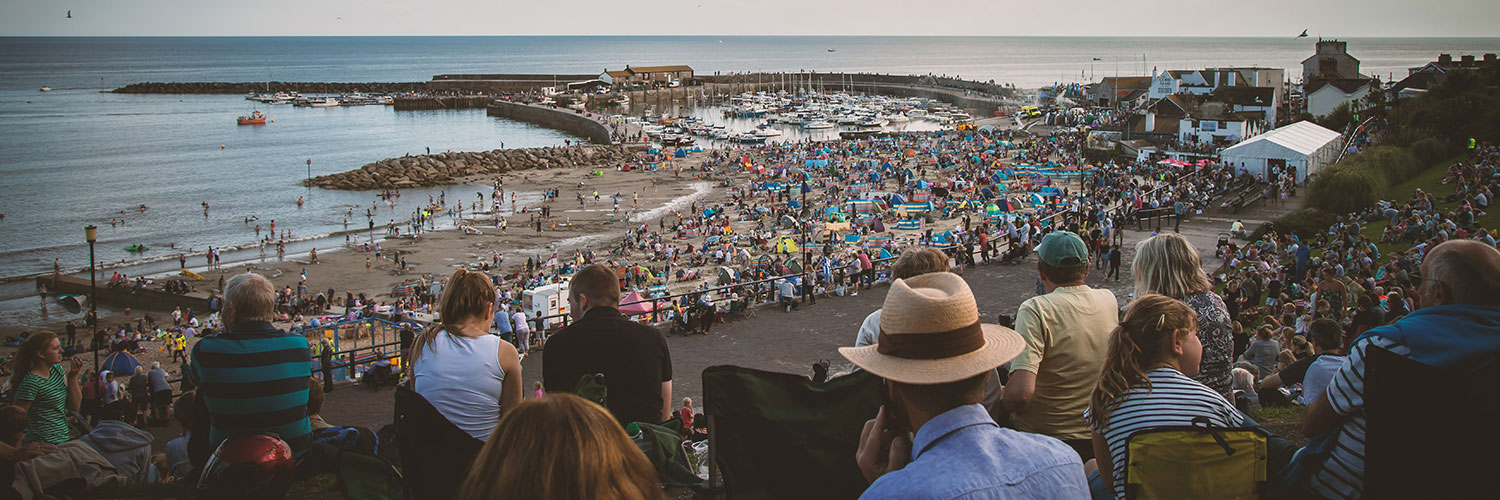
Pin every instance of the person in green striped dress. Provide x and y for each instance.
(44, 390)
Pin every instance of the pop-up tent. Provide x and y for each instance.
(120, 363)
(633, 303)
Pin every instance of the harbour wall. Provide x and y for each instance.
(440, 102)
(248, 87)
(580, 123)
(124, 296)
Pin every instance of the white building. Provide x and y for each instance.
(1302, 146)
(1202, 82)
(1197, 120)
(1324, 96)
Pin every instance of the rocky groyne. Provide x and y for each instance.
(248, 87)
(448, 168)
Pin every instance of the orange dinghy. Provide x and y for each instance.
(255, 118)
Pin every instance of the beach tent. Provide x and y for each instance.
(794, 265)
(878, 226)
(885, 253)
(851, 238)
(120, 363)
(786, 245)
(787, 222)
(633, 303)
(726, 276)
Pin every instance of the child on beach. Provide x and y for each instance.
(1147, 383)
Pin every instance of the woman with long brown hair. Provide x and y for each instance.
(560, 446)
(44, 390)
(469, 375)
(1146, 383)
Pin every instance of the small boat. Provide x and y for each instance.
(831, 50)
(46, 88)
(817, 125)
(255, 118)
(749, 138)
(766, 132)
(136, 248)
(326, 102)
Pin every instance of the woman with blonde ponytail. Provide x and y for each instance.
(1147, 383)
(469, 375)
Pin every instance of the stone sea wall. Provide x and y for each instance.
(567, 120)
(447, 168)
(248, 87)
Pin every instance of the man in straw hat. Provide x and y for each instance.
(1066, 334)
(932, 439)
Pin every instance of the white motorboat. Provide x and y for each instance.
(326, 102)
(817, 125)
(897, 118)
(766, 132)
(46, 88)
(873, 122)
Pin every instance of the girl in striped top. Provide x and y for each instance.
(44, 390)
(1147, 383)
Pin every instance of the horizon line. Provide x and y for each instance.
(846, 35)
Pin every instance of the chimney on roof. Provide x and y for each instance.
(1468, 61)
(1445, 59)
(1489, 58)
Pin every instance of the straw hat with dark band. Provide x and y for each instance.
(930, 334)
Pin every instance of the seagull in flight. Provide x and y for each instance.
(1303, 35)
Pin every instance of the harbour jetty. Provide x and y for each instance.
(411, 103)
(576, 122)
(248, 87)
(448, 168)
(124, 296)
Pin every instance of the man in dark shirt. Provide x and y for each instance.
(1324, 334)
(632, 357)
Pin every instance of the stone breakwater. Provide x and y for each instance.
(447, 168)
(248, 87)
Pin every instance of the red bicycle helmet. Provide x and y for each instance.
(253, 466)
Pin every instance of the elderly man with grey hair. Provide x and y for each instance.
(251, 377)
(1457, 329)
(161, 393)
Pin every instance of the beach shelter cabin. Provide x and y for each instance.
(1303, 146)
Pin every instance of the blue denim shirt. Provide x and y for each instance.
(963, 454)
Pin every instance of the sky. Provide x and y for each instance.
(1329, 18)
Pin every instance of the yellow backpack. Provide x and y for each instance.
(1196, 462)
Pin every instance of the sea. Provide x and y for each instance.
(77, 155)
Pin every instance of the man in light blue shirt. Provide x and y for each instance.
(932, 439)
(502, 322)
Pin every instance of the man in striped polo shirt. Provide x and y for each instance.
(1455, 329)
(252, 377)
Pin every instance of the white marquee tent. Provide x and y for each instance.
(1303, 146)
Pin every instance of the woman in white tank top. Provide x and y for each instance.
(470, 376)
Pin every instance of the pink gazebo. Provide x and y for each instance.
(633, 304)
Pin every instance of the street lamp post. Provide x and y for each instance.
(91, 234)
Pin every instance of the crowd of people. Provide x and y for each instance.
(1044, 406)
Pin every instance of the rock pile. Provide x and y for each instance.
(447, 168)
